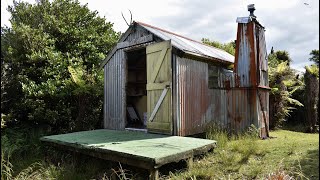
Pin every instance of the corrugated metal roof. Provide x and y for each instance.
(189, 45)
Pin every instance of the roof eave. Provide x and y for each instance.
(201, 57)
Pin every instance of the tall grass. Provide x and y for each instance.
(21, 154)
(237, 156)
(241, 156)
(216, 132)
(6, 167)
(23, 157)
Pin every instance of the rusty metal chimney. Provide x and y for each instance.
(251, 69)
(251, 9)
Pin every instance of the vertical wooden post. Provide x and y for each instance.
(154, 174)
(190, 162)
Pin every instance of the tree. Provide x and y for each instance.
(312, 97)
(228, 47)
(277, 57)
(50, 46)
(314, 56)
(283, 82)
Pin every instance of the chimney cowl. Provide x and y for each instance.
(251, 9)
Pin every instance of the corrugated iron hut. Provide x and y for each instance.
(167, 83)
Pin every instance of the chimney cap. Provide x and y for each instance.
(251, 9)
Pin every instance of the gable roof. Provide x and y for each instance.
(185, 44)
(189, 45)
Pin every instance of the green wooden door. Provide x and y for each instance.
(159, 84)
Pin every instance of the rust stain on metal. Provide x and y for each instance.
(196, 104)
(227, 84)
(244, 104)
(253, 67)
(237, 47)
(237, 80)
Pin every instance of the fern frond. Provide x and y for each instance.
(76, 76)
(294, 101)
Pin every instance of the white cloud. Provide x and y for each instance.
(290, 24)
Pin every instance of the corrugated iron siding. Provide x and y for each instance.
(242, 59)
(114, 92)
(251, 70)
(114, 85)
(242, 111)
(263, 111)
(193, 97)
(137, 33)
(197, 105)
(263, 57)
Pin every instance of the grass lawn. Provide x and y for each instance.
(286, 153)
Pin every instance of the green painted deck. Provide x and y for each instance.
(149, 151)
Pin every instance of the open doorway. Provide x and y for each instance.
(136, 94)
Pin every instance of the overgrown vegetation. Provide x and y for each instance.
(291, 154)
(228, 47)
(287, 154)
(49, 64)
(50, 78)
(283, 82)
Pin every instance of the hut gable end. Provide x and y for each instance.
(142, 33)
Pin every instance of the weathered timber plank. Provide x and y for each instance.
(159, 71)
(145, 163)
(157, 86)
(156, 108)
(138, 149)
(141, 40)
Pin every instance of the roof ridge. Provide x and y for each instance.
(177, 35)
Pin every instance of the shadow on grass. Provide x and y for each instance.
(295, 127)
(74, 166)
(310, 164)
(77, 166)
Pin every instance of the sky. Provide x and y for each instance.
(291, 25)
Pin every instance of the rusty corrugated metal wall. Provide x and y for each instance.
(192, 96)
(262, 58)
(240, 99)
(197, 105)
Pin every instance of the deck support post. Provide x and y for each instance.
(154, 174)
(190, 162)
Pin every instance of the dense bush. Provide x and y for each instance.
(50, 57)
(284, 83)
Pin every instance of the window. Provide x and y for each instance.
(213, 74)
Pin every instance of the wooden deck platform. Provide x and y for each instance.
(144, 150)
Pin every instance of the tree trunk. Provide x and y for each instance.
(312, 98)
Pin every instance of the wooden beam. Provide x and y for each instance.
(114, 49)
(159, 126)
(158, 64)
(141, 40)
(145, 163)
(154, 174)
(155, 110)
(157, 86)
